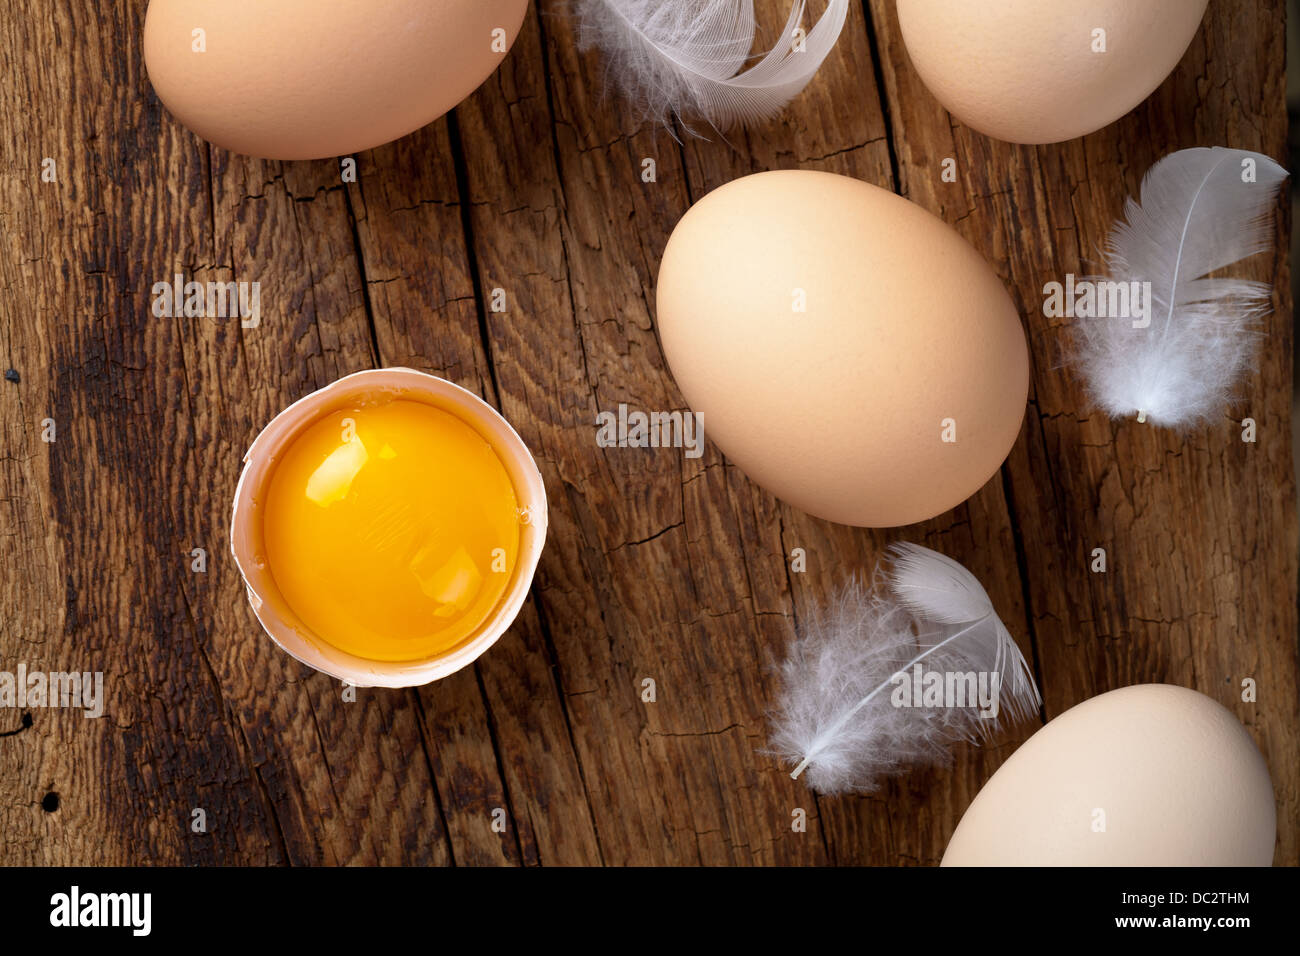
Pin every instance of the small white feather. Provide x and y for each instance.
(838, 724)
(1198, 213)
(684, 58)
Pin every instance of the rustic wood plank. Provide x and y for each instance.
(108, 590)
(288, 226)
(154, 415)
(1200, 530)
(409, 216)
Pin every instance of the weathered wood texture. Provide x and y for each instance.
(657, 566)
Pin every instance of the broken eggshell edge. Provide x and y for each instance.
(280, 622)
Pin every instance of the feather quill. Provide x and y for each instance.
(684, 58)
(838, 722)
(1198, 213)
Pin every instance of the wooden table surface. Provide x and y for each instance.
(657, 566)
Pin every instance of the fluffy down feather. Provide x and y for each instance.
(837, 724)
(1199, 212)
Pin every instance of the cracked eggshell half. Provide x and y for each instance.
(848, 350)
(1045, 71)
(1150, 775)
(309, 79)
(247, 521)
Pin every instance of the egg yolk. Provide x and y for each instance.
(391, 530)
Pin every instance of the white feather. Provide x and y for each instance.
(837, 720)
(683, 58)
(1196, 215)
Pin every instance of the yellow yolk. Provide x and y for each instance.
(391, 530)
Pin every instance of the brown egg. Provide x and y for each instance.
(1149, 775)
(847, 350)
(306, 79)
(1030, 71)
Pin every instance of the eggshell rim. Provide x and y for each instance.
(275, 616)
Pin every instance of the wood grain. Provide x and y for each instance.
(658, 567)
